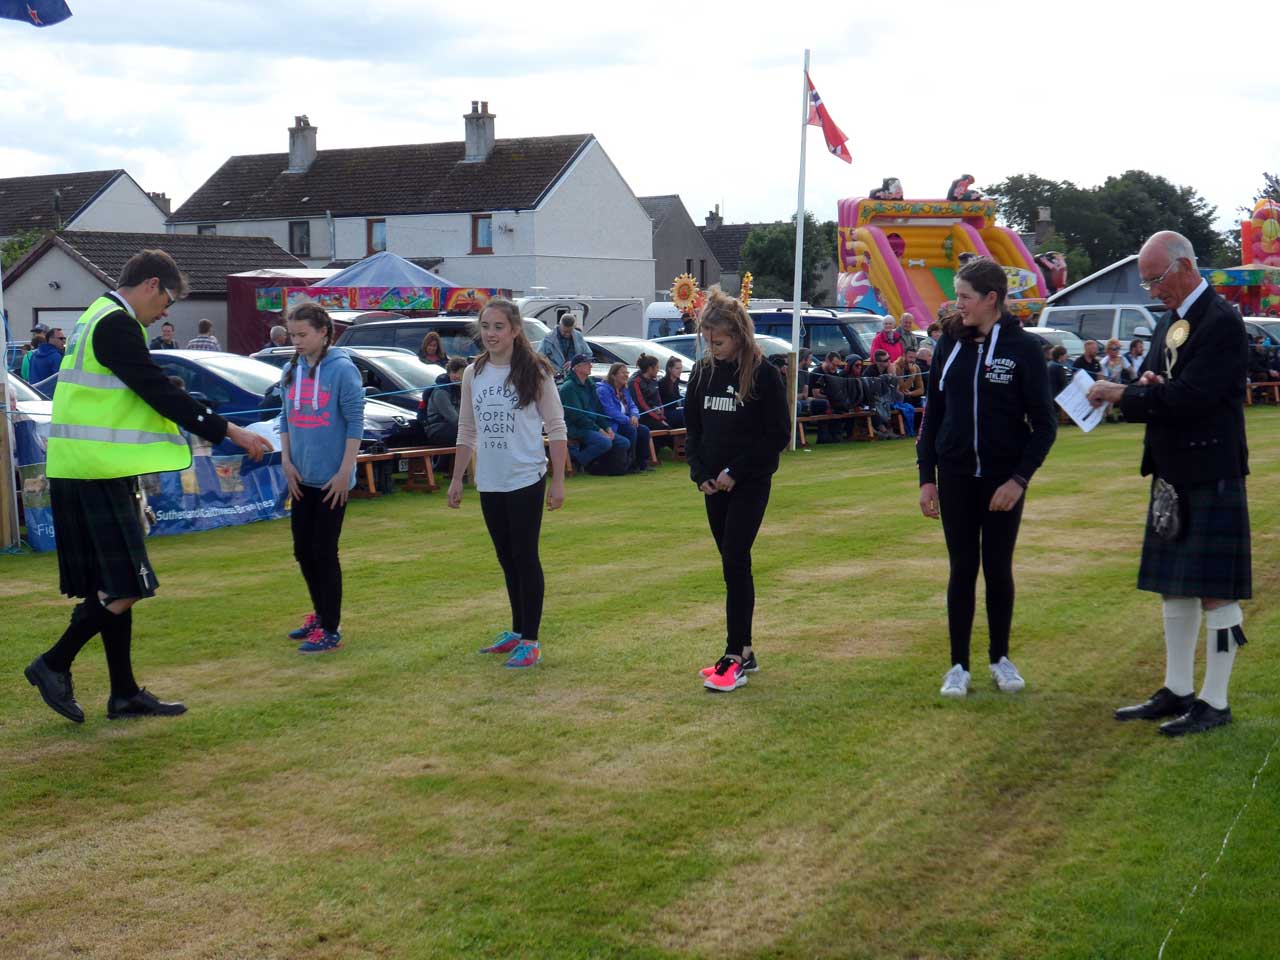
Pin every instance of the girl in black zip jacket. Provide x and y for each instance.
(738, 419)
(989, 423)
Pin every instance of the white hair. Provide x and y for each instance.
(277, 330)
(1174, 245)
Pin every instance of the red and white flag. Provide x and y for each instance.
(818, 117)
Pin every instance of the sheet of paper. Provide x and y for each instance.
(1074, 399)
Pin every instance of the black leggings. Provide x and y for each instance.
(976, 535)
(514, 520)
(316, 529)
(735, 519)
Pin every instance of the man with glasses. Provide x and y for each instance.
(1195, 552)
(116, 415)
(46, 357)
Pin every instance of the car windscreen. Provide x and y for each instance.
(408, 368)
(22, 392)
(245, 372)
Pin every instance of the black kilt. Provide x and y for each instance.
(101, 546)
(1211, 558)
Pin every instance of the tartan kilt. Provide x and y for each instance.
(1212, 557)
(101, 545)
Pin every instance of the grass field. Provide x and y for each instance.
(406, 797)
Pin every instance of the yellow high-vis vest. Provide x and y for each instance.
(101, 429)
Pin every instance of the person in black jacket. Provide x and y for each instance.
(989, 423)
(738, 419)
(1190, 394)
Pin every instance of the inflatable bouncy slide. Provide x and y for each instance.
(898, 254)
(1254, 287)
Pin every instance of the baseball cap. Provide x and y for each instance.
(39, 328)
(578, 358)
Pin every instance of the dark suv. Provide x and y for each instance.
(822, 331)
(457, 334)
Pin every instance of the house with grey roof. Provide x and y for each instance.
(525, 213)
(678, 246)
(725, 241)
(89, 200)
(65, 272)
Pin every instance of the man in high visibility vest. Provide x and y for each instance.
(115, 416)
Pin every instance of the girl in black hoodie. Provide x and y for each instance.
(738, 420)
(989, 422)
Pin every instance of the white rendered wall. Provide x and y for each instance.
(122, 208)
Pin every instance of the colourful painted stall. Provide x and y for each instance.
(898, 255)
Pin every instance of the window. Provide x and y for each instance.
(481, 233)
(824, 338)
(300, 238)
(688, 267)
(1096, 325)
(702, 273)
(207, 229)
(1130, 321)
(375, 236)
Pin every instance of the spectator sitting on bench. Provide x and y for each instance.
(807, 405)
(1260, 369)
(831, 382)
(924, 357)
(852, 366)
(889, 339)
(880, 366)
(622, 410)
(440, 408)
(911, 381)
(669, 393)
(1114, 367)
(643, 388)
(585, 419)
(1089, 360)
(1134, 357)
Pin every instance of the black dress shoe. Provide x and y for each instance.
(1163, 703)
(1201, 717)
(142, 704)
(55, 688)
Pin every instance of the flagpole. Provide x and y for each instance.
(795, 287)
(8, 490)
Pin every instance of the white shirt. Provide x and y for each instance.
(507, 438)
(1191, 298)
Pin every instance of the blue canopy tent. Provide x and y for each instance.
(385, 269)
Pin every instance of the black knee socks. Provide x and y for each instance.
(117, 638)
(86, 622)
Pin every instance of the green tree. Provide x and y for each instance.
(13, 249)
(769, 253)
(1079, 265)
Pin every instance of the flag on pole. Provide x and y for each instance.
(818, 117)
(38, 13)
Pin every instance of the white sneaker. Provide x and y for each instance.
(1006, 676)
(956, 682)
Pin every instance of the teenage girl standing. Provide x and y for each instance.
(508, 395)
(988, 426)
(320, 430)
(738, 420)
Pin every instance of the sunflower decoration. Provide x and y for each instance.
(745, 293)
(685, 293)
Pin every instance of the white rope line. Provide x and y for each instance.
(1196, 886)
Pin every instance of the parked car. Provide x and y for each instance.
(457, 334)
(1059, 338)
(1265, 327)
(821, 330)
(1101, 322)
(610, 350)
(30, 404)
(687, 345)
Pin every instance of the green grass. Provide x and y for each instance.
(409, 798)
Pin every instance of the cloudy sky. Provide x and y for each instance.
(699, 99)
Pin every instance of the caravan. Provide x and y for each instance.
(621, 316)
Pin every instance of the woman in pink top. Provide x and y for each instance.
(888, 339)
(508, 396)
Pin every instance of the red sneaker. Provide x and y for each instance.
(726, 676)
(506, 642)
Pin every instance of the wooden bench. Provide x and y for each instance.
(417, 463)
(1265, 392)
(862, 417)
(677, 435)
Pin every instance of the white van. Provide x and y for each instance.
(1102, 321)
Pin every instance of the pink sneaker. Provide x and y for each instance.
(506, 642)
(726, 676)
(749, 665)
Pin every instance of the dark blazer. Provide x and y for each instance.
(1195, 419)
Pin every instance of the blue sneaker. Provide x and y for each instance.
(506, 642)
(321, 641)
(525, 655)
(309, 622)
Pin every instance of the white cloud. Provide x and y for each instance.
(701, 100)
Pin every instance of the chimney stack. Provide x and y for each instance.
(479, 126)
(161, 201)
(714, 220)
(302, 145)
